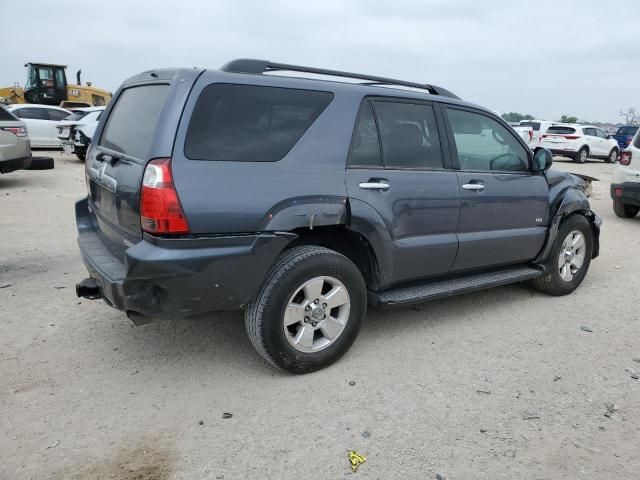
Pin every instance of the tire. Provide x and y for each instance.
(625, 211)
(582, 155)
(81, 156)
(613, 156)
(40, 163)
(282, 292)
(553, 283)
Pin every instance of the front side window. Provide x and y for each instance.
(600, 133)
(589, 131)
(249, 123)
(484, 144)
(409, 135)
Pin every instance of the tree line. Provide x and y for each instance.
(630, 117)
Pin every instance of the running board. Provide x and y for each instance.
(436, 289)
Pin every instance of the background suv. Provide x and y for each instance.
(15, 150)
(580, 142)
(624, 135)
(625, 182)
(303, 200)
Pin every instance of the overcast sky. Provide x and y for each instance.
(546, 58)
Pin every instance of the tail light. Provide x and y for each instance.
(160, 209)
(545, 135)
(625, 158)
(530, 135)
(572, 137)
(17, 131)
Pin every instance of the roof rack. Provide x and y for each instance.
(247, 65)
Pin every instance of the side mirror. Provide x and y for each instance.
(542, 159)
(609, 137)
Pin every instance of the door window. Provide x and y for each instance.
(31, 113)
(589, 131)
(485, 144)
(365, 145)
(409, 135)
(600, 133)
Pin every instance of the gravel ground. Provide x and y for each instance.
(496, 384)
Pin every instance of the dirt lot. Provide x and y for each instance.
(497, 384)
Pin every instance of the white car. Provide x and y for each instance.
(76, 131)
(580, 142)
(41, 122)
(539, 128)
(625, 182)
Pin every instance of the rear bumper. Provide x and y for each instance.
(178, 278)
(563, 152)
(7, 166)
(627, 192)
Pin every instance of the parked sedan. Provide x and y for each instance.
(41, 122)
(15, 151)
(76, 131)
(580, 142)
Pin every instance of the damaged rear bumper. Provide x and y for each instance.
(178, 278)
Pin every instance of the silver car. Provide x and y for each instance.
(15, 148)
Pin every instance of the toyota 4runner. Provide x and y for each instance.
(301, 200)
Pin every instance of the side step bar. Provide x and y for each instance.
(436, 289)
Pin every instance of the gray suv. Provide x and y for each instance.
(15, 148)
(302, 200)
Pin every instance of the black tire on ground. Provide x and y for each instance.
(81, 154)
(264, 317)
(613, 156)
(625, 211)
(552, 283)
(582, 155)
(40, 163)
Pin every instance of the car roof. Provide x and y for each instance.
(89, 109)
(35, 105)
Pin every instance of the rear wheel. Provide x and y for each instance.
(613, 156)
(625, 211)
(582, 155)
(81, 155)
(309, 310)
(569, 259)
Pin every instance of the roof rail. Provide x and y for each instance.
(247, 65)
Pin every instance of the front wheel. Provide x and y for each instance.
(309, 310)
(569, 259)
(613, 156)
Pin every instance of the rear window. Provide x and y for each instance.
(534, 125)
(627, 131)
(247, 123)
(75, 116)
(133, 119)
(558, 130)
(6, 116)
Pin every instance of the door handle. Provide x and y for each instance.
(374, 186)
(473, 186)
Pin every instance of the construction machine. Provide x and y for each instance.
(47, 84)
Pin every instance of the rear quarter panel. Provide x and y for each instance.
(306, 187)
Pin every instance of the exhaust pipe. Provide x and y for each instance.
(89, 288)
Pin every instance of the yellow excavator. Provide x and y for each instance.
(47, 84)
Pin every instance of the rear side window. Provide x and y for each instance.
(365, 146)
(75, 116)
(6, 116)
(248, 123)
(558, 130)
(31, 113)
(409, 135)
(133, 120)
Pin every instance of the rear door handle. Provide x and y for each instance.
(374, 186)
(473, 186)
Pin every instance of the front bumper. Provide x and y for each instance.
(7, 166)
(627, 192)
(161, 278)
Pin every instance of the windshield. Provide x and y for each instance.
(561, 130)
(627, 131)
